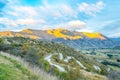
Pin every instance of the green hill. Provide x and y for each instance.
(56, 59)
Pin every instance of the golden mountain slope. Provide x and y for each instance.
(24, 33)
(94, 35)
(6, 33)
(59, 34)
(27, 31)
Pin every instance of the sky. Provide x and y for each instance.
(81, 15)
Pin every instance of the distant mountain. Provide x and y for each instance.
(74, 39)
(117, 40)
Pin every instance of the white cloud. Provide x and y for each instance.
(105, 23)
(59, 11)
(70, 25)
(67, 10)
(84, 30)
(16, 23)
(76, 24)
(20, 11)
(47, 15)
(91, 9)
(7, 22)
(17, 15)
(29, 21)
(115, 35)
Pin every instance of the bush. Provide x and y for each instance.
(110, 55)
(46, 65)
(71, 75)
(32, 56)
(118, 60)
(5, 47)
(17, 51)
(103, 71)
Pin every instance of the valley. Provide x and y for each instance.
(68, 55)
(109, 57)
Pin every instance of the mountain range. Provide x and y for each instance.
(74, 39)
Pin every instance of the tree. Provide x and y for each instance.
(110, 55)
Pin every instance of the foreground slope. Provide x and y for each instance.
(8, 68)
(15, 68)
(60, 60)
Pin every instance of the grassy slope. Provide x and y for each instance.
(13, 68)
(9, 71)
(34, 52)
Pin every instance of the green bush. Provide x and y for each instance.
(32, 56)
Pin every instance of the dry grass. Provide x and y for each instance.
(42, 75)
(93, 76)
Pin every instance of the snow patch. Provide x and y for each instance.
(97, 67)
(60, 56)
(68, 58)
(80, 64)
(48, 58)
(108, 69)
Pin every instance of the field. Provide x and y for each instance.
(109, 57)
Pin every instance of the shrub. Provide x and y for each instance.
(32, 56)
(103, 71)
(110, 55)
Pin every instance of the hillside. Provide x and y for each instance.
(15, 68)
(56, 33)
(60, 60)
(74, 39)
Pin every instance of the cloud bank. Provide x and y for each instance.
(19, 16)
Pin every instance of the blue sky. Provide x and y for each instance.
(82, 15)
